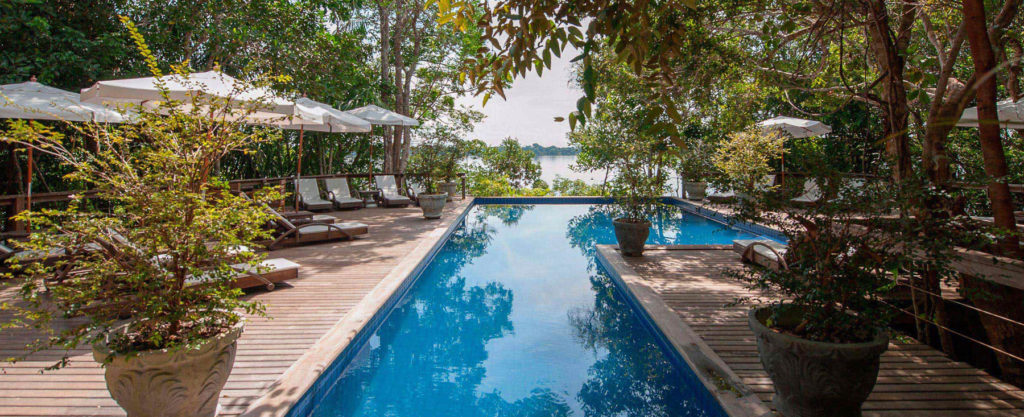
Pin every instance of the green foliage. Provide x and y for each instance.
(746, 157)
(507, 162)
(521, 36)
(486, 184)
(160, 260)
(65, 43)
(846, 252)
(440, 156)
(622, 138)
(568, 187)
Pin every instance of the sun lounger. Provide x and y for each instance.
(414, 191)
(715, 195)
(313, 232)
(308, 194)
(811, 193)
(389, 195)
(767, 253)
(339, 194)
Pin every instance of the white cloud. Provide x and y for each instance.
(533, 103)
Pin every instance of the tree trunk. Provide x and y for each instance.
(989, 135)
(888, 56)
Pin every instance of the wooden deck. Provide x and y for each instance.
(915, 380)
(333, 278)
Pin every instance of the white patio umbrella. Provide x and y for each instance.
(147, 92)
(380, 116)
(334, 121)
(1011, 115)
(795, 128)
(36, 101)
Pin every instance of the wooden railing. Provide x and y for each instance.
(16, 203)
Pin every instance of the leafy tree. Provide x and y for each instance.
(566, 186)
(162, 257)
(510, 162)
(745, 158)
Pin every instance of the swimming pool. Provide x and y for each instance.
(514, 317)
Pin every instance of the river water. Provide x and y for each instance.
(561, 165)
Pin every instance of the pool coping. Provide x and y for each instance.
(300, 378)
(736, 399)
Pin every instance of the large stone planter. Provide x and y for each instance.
(816, 379)
(450, 188)
(632, 235)
(432, 205)
(695, 190)
(179, 383)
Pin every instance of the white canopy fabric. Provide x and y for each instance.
(796, 128)
(146, 92)
(32, 100)
(381, 116)
(1011, 115)
(334, 120)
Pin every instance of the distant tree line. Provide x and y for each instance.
(539, 150)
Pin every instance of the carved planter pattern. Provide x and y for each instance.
(817, 379)
(180, 383)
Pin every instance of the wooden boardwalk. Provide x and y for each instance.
(915, 380)
(333, 277)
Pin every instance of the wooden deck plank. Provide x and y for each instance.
(333, 277)
(915, 379)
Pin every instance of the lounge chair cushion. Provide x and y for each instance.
(339, 193)
(760, 254)
(811, 194)
(272, 270)
(394, 199)
(309, 194)
(352, 228)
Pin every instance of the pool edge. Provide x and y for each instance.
(297, 383)
(735, 398)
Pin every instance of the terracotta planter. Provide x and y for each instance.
(816, 379)
(632, 235)
(432, 205)
(695, 190)
(450, 188)
(179, 383)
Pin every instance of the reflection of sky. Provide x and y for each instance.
(486, 331)
(541, 352)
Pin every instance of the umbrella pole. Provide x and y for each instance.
(298, 169)
(28, 200)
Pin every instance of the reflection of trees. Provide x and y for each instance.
(634, 378)
(589, 229)
(508, 214)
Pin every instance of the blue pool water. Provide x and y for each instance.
(513, 317)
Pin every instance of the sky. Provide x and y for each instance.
(532, 105)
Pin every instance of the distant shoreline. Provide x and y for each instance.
(539, 150)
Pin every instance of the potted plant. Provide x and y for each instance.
(148, 283)
(696, 167)
(637, 188)
(821, 346)
(428, 158)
